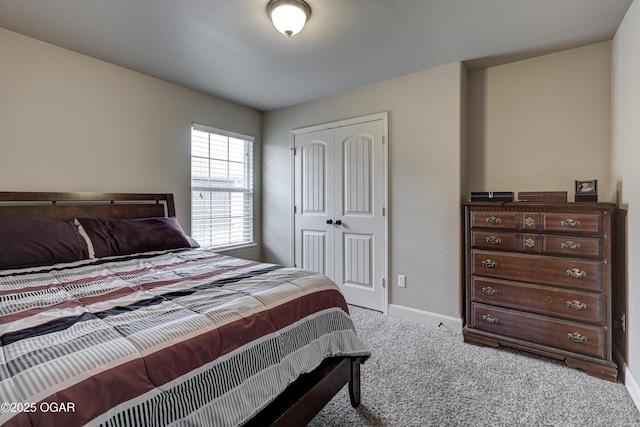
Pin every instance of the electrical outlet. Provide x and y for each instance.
(402, 280)
(623, 319)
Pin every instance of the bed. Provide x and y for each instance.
(111, 316)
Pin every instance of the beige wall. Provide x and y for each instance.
(531, 125)
(72, 123)
(625, 176)
(424, 174)
(542, 123)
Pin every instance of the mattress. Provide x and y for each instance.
(188, 337)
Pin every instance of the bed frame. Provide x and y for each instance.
(300, 402)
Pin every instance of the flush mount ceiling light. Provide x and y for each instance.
(288, 16)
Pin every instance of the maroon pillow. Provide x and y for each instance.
(128, 236)
(26, 242)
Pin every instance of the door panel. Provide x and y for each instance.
(357, 174)
(314, 251)
(314, 192)
(358, 260)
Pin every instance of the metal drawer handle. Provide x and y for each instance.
(489, 290)
(489, 318)
(494, 240)
(570, 222)
(529, 242)
(489, 263)
(577, 305)
(577, 337)
(529, 222)
(570, 245)
(494, 220)
(574, 272)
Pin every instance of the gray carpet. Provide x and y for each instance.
(426, 376)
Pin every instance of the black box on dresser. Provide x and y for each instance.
(538, 278)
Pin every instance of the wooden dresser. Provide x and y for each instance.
(538, 278)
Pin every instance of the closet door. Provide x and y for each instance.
(339, 197)
(314, 201)
(359, 223)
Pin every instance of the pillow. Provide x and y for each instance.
(193, 243)
(128, 236)
(27, 242)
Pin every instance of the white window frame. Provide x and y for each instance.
(248, 217)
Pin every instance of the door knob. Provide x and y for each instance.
(329, 221)
(338, 222)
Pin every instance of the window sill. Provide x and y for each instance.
(227, 250)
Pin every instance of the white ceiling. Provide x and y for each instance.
(230, 49)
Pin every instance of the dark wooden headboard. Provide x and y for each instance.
(66, 206)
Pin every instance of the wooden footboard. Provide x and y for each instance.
(303, 399)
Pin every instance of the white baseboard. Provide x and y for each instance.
(425, 317)
(632, 386)
(629, 380)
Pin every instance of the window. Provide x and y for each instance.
(221, 187)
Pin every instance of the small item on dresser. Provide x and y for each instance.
(543, 196)
(492, 196)
(587, 191)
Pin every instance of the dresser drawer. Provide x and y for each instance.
(491, 240)
(572, 245)
(572, 222)
(539, 269)
(562, 334)
(494, 219)
(545, 300)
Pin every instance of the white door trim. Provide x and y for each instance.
(384, 116)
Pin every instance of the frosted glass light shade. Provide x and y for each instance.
(288, 16)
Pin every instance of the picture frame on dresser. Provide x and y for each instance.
(538, 277)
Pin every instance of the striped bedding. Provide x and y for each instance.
(186, 337)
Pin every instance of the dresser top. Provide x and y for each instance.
(567, 206)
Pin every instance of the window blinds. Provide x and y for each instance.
(221, 187)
